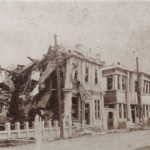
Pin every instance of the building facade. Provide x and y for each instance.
(120, 99)
(83, 98)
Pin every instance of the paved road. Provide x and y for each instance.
(115, 141)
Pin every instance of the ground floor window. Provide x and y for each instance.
(125, 110)
(120, 111)
(97, 109)
(145, 110)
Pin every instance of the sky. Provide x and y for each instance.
(120, 31)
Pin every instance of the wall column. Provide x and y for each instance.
(115, 82)
(68, 107)
(128, 96)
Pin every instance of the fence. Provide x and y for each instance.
(39, 129)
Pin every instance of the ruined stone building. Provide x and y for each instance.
(120, 99)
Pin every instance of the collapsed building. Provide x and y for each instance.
(6, 92)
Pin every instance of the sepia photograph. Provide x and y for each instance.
(74, 75)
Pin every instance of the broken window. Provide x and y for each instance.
(86, 74)
(118, 81)
(97, 109)
(123, 83)
(96, 76)
(109, 82)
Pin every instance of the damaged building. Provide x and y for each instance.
(78, 90)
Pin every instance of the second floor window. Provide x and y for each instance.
(146, 87)
(135, 86)
(118, 81)
(96, 76)
(86, 74)
(109, 82)
(123, 83)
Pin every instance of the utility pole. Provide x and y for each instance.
(139, 91)
(59, 90)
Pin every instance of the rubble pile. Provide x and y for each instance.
(35, 88)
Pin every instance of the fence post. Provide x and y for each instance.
(27, 129)
(56, 126)
(50, 128)
(17, 127)
(37, 128)
(43, 130)
(8, 130)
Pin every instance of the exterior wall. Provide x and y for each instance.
(119, 96)
(129, 96)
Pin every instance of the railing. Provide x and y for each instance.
(44, 130)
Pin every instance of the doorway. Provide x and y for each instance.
(133, 113)
(110, 120)
(87, 113)
(75, 109)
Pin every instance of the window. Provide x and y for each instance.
(136, 86)
(144, 110)
(110, 82)
(123, 83)
(97, 109)
(118, 81)
(146, 87)
(125, 110)
(96, 76)
(120, 111)
(86, 74)
(149, 87)
(76, 75)
(147, 110)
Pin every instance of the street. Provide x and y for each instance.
(112, 141)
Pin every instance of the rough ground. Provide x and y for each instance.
(111, 141)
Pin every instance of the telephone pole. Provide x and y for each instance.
(139, 91)
(59, 89)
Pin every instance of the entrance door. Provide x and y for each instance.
(87, 113)
(75, 109)
(110, 120)
(133, 113)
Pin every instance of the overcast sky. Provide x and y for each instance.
(115, 29)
